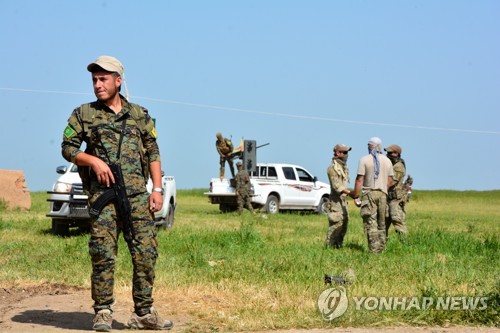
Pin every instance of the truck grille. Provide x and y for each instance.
(78, 188)
(78, 211)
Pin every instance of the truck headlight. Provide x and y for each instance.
(62, 187)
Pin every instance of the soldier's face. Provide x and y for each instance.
(106, 85)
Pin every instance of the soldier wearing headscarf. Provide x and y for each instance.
(336, 208)
(373, 180)
(397, 195)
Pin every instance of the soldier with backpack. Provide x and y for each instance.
(118, 133)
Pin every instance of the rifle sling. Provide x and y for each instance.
(124, 122)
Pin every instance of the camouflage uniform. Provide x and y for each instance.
(223, 148)
(397, 199)
(142, 239)
(338, 216)
(243, 191)
(374, 200)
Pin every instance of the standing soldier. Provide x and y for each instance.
(338, 216)
(224, 147)
(123, 135)
(243, 189)
(397, 193)
(373, 180)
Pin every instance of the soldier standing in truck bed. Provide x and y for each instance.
(224, 147)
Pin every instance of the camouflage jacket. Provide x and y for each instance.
(224, 147)
(102, 140)
(242, 182)
(396, 190)
(338, 175)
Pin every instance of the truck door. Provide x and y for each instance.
(297, 187)
(306, 185)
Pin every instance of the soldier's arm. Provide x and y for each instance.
(100, 168)
(149, 142)
(72, 137)
(357, 187)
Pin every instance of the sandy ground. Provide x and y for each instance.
(59, 308)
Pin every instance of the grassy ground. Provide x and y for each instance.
(266, 271)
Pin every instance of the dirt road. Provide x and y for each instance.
(58, 308)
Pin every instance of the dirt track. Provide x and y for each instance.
(59, 308)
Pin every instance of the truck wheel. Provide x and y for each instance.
(60, 228)
(169, 220)
(226, 208)
(272, 205)
(322, 205)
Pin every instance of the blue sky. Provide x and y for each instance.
(300, 75)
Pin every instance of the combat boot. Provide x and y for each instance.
(102, 321)
(150, 321)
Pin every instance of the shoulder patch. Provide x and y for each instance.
(69, 132)
(153, 132)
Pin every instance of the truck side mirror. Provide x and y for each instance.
(61, 169)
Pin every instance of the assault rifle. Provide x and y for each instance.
(118, 193)
(407, 186)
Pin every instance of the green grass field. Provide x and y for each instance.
(266, 272)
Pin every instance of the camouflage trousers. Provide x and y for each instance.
(222, 170)
(397, 217)
(244, 200)
(143, 247)
(374, 212)
(338, 217)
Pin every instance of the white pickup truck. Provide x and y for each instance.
(275, 187)
(68, 203)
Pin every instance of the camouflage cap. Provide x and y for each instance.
(108, 63)
(239, 163)
(395, 148)
(341, 147)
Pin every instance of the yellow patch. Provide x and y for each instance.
(153, 132)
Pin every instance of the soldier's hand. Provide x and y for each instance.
(103, 172)
(155, 202)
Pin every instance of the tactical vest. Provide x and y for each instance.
(88, 113)
(225, 146)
